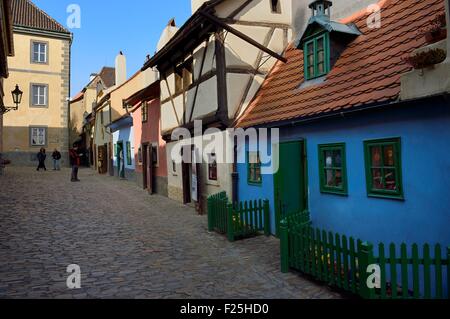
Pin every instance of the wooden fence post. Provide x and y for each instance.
(230, 223)
(448, 272)
(365, 258)
(284, 246)
(266, 218)
(210, 215)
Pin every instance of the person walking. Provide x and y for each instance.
(41, 156)
(56, 160)
(74, 162)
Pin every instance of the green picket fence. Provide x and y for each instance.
(339, 260)
(218, 212)
(241, 220)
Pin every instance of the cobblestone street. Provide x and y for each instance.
(128, 245)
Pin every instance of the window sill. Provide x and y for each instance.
(332, 192)
(212, 183)
(387, 196)
(254, 184)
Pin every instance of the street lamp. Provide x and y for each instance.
(17, 99)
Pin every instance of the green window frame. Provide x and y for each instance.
(254, 176)
(383, 168)
(129, 161)
(333, 169)
(317, 56)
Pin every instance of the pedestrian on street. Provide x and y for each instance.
(41, 156)
(56, 160)
(74, 162)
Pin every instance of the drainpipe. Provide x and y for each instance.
(235, 177)
(447, 15)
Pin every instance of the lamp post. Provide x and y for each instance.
(17, 99)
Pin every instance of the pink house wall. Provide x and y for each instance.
(150, 132)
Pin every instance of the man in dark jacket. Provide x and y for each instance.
(75, 162)
(41, 156)
(56, 160)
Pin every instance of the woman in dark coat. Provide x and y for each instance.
(41, 158)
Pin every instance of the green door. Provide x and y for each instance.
(290, 186)
(120, 160)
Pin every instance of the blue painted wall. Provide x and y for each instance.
(424, 216)
(125, 134)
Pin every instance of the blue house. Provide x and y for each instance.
(360, 148)
(124, 152)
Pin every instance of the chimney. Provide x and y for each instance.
(92, 77)
(321, 8)
(121, 69)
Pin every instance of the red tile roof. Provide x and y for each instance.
(367, 72)
(26, 14)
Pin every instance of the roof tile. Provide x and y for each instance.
(26, 14)
(367, 72)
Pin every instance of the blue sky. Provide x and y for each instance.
(107, 27)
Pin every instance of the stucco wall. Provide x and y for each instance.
(422, 217)
(208, 187)
(133, 85)
(150, 132)
(55, 116)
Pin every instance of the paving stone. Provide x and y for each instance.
(127, 243)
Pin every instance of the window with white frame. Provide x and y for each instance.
(38, 136)
(39, 95)
(40, 51)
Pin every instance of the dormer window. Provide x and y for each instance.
(317, 56)
(276, 6)
(324, 40)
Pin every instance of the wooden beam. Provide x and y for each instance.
(221, 65)
(241, 35)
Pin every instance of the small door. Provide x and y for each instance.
(186, 176)
(102, 160)
(150, 172)
(145, 166)
(290, 188)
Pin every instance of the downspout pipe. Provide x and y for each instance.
(447, 16)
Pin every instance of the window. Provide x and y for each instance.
(183, 77)
(39, 52)
(187, 75)
(317, 57)
(178, 81)
(254, 168)
(212, 167)
(38, 136)
(383, 168)
(276, 6)
(332, 168)
(39, 95)
(129, 161)
(144, 112)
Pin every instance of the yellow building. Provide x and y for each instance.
(41, 67)
(81, 123)
(6, 50)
